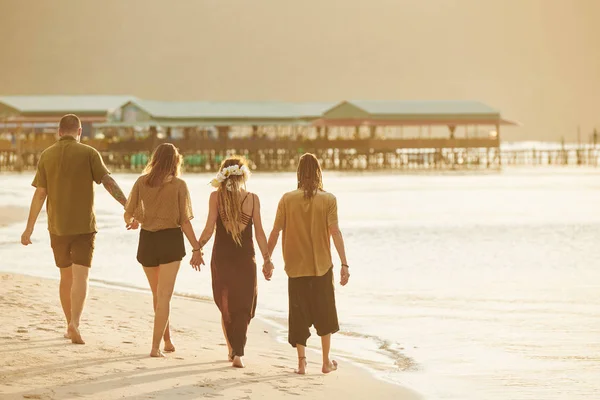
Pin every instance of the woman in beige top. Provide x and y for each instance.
(160, 201)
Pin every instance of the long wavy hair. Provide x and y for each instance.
(310, 176)
(230, 199)
(165, 161)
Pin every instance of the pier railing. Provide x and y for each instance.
(205, 154)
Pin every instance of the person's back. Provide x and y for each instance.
(68, 170)
(308, 218)
(65, 176)
(305, 224)
(160, 200)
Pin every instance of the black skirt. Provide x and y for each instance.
(160, 247)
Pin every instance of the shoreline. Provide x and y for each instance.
(117, 327)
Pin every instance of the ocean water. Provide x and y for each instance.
(483, 286)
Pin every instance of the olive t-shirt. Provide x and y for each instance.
(67, 170)
(306, 237)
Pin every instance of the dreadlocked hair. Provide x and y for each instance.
(310, 176)
(230, 199)
(165, 161)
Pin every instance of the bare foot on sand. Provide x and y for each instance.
(332, 366)
(302, 363)
(237, 362)
(230, 357)
(66, 335)
(156, 353)
(74, 335)
(169, 347)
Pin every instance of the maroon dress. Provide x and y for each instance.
(233, 269)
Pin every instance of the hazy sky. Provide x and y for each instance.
(538, 61)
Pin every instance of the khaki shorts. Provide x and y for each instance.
(73, 249)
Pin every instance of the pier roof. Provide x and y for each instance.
(38, 108)
(231, 110)
(426, 112)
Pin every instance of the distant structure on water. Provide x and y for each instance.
(348, 135)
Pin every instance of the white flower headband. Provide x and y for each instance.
(233, 170)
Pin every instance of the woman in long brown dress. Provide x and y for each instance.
(234, 212)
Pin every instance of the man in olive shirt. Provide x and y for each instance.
(308, 218)
(65, 175)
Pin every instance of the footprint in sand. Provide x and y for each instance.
(41, 328)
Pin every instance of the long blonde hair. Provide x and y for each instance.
(310, 176)
(165, 161)
(230, 199)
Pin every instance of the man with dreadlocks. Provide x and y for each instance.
(308, 218)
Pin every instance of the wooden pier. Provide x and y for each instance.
(203, 155)
(346, 136)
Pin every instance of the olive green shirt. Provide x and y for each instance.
(306, 238)
(67, 170)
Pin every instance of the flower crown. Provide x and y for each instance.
(225, 173)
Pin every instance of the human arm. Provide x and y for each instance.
(338, 242)
(185, 217)
(101, 175)
(278, 226)
(338, 239)
(261, 239)
(132, 204)
(113, 188)
(211, 220)
(188, 231)
(37, 202)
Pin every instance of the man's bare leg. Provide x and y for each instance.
(152, 275)
(78, 295)
(66, 281)
(167, 273)
(328, 365)
(301, 359)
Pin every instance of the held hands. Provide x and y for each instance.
(133, 225)
(344, 275)
(130, 222)
(267, 270)
(197, 259)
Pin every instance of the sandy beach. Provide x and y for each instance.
(38, 363)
